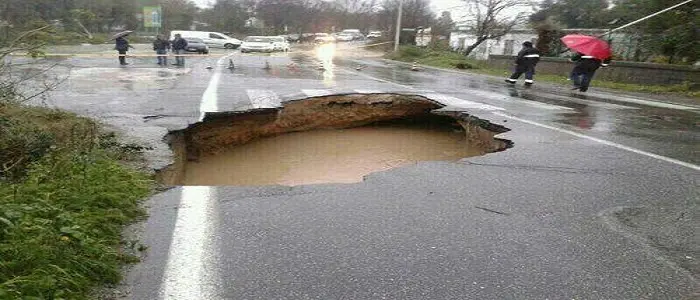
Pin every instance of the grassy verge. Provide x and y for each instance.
(65, 196)
(451, 60)
(435, 58)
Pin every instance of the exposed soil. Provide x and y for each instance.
(338, 138)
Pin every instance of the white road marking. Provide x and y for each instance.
(263, 98)
(590, 102)
(317, 93)
(210, 98)
(488, 95)
(187, 276)
(646, 102)
(378, 79)
(604, 142)
(607, 95)
(506, 98)
(460, 103)
(543, 105)
(368, 91)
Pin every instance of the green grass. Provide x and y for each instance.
(435, 58)
(65, 196)
(452, 60)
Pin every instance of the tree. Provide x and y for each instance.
(489, 19)
(226, 15)
(178, 14)
(574, 13)
(83, 19)
(444, 24)
(416, 13)
(673, 34)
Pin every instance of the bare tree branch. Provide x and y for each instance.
(26, 74)
(490, 20)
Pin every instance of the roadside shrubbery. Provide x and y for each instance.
(64, 199)
(65, 196)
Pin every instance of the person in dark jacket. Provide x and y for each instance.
(525, 62)
(122, 45)
(584, 70)
(161, 46)
(179, 45)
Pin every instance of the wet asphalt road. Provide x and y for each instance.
(427, 231)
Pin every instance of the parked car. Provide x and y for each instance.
(280, 43)
(213, 39)
(293, 38)
(323, 38)
(345, 37)
(374, 35)
(258, 44)
(355, 33)
(196, 45)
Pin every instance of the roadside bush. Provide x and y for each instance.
(65, 196)
(60, 229)
(27, 133)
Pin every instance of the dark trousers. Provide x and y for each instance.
(582, 78)
(122, 57)
(162, 57)
(529, 71)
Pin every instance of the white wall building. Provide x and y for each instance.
(623, 44)
(508, 44)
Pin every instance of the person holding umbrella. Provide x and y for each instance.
(121, 44)
(525, 63)
(585, 68)
(592, 53)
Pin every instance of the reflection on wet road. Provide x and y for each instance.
(665, 131)
(401, 233)
(327, 69)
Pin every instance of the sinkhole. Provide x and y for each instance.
(328, 139)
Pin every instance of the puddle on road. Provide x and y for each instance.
(327, 156)
(88, 79)
(330, 139)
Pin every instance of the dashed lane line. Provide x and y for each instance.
(604, 142)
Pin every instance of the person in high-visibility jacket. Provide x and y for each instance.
(585, 68)
(525, 62)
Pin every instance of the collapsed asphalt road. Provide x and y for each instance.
(325, 139)
(550, 218)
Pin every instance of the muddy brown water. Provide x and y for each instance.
(327, 156)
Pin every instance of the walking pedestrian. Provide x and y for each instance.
(161, 46)
(179, 45)
(122, 46)
(525, 62)
(585, 68)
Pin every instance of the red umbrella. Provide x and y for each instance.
(588, 45)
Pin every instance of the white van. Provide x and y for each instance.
(213, 39)
(356, 34)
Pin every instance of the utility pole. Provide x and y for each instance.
(398, 27)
